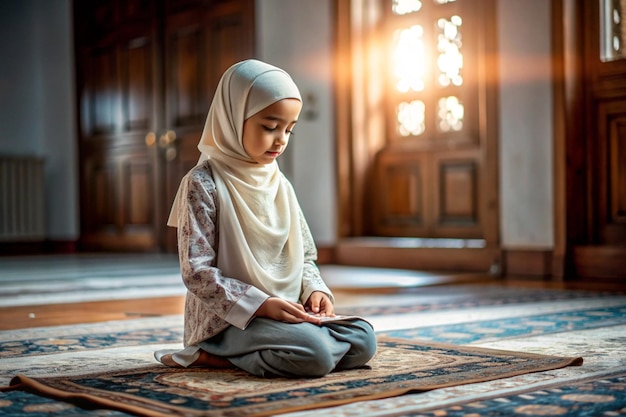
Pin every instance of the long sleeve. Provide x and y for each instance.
(213, 300)
(311, 277)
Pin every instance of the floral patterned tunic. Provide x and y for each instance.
(214, 301)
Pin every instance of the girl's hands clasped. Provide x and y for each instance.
(318, 305)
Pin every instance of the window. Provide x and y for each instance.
(415, 77)
(613, 24)
(430, 88)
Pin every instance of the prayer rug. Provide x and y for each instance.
(399, 367)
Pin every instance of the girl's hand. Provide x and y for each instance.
(319, 304)
(282, 310)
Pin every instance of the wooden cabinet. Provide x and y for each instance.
(146, 71)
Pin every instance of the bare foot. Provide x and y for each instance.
(167, 360)
(206, 360)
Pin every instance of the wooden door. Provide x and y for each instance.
(436, 176)
(199, 46)
(146, 70)
(116, 48)
(417, 160)
(601, 252)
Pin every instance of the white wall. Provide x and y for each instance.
(37, 114)
(298, 37)
(526, 180)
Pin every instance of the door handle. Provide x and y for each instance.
(167, 139)
(150, 139)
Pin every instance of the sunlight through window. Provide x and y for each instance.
(408, 59)
(450, 60)
(450, 114)
(613, 24)
(401, 7)
(411, 118)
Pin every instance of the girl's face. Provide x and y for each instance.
(266, 133)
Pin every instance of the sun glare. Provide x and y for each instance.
(401, 7)
(408, 59)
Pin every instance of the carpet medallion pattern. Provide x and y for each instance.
(399, 367)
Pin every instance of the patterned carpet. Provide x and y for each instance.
(400, 366)
(549, 322)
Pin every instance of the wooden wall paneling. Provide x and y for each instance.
(528, 262)
(569, 127)
(590, 242)
(618, 172)
(610, 226)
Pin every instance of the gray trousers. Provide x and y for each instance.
(269, 348)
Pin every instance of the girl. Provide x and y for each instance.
(255, 297)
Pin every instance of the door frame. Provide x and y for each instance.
(576, 254)
(360, 132)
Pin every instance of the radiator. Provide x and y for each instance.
(22, 209)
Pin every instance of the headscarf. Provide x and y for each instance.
(260, 238)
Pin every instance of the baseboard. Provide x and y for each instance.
(533, 262)
(385, 254)
(600, 262)
(326, 255)
(46, 247)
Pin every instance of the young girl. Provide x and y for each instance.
(255, 297)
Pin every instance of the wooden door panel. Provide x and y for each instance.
(428, 194)
(399, 207)
(118, 201)
(229, 43)
(99, 101)
(458, 195)
(184, 62)
(611, 201)
(137, 85)
(101, 196)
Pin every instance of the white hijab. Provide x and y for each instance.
(260, 239)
